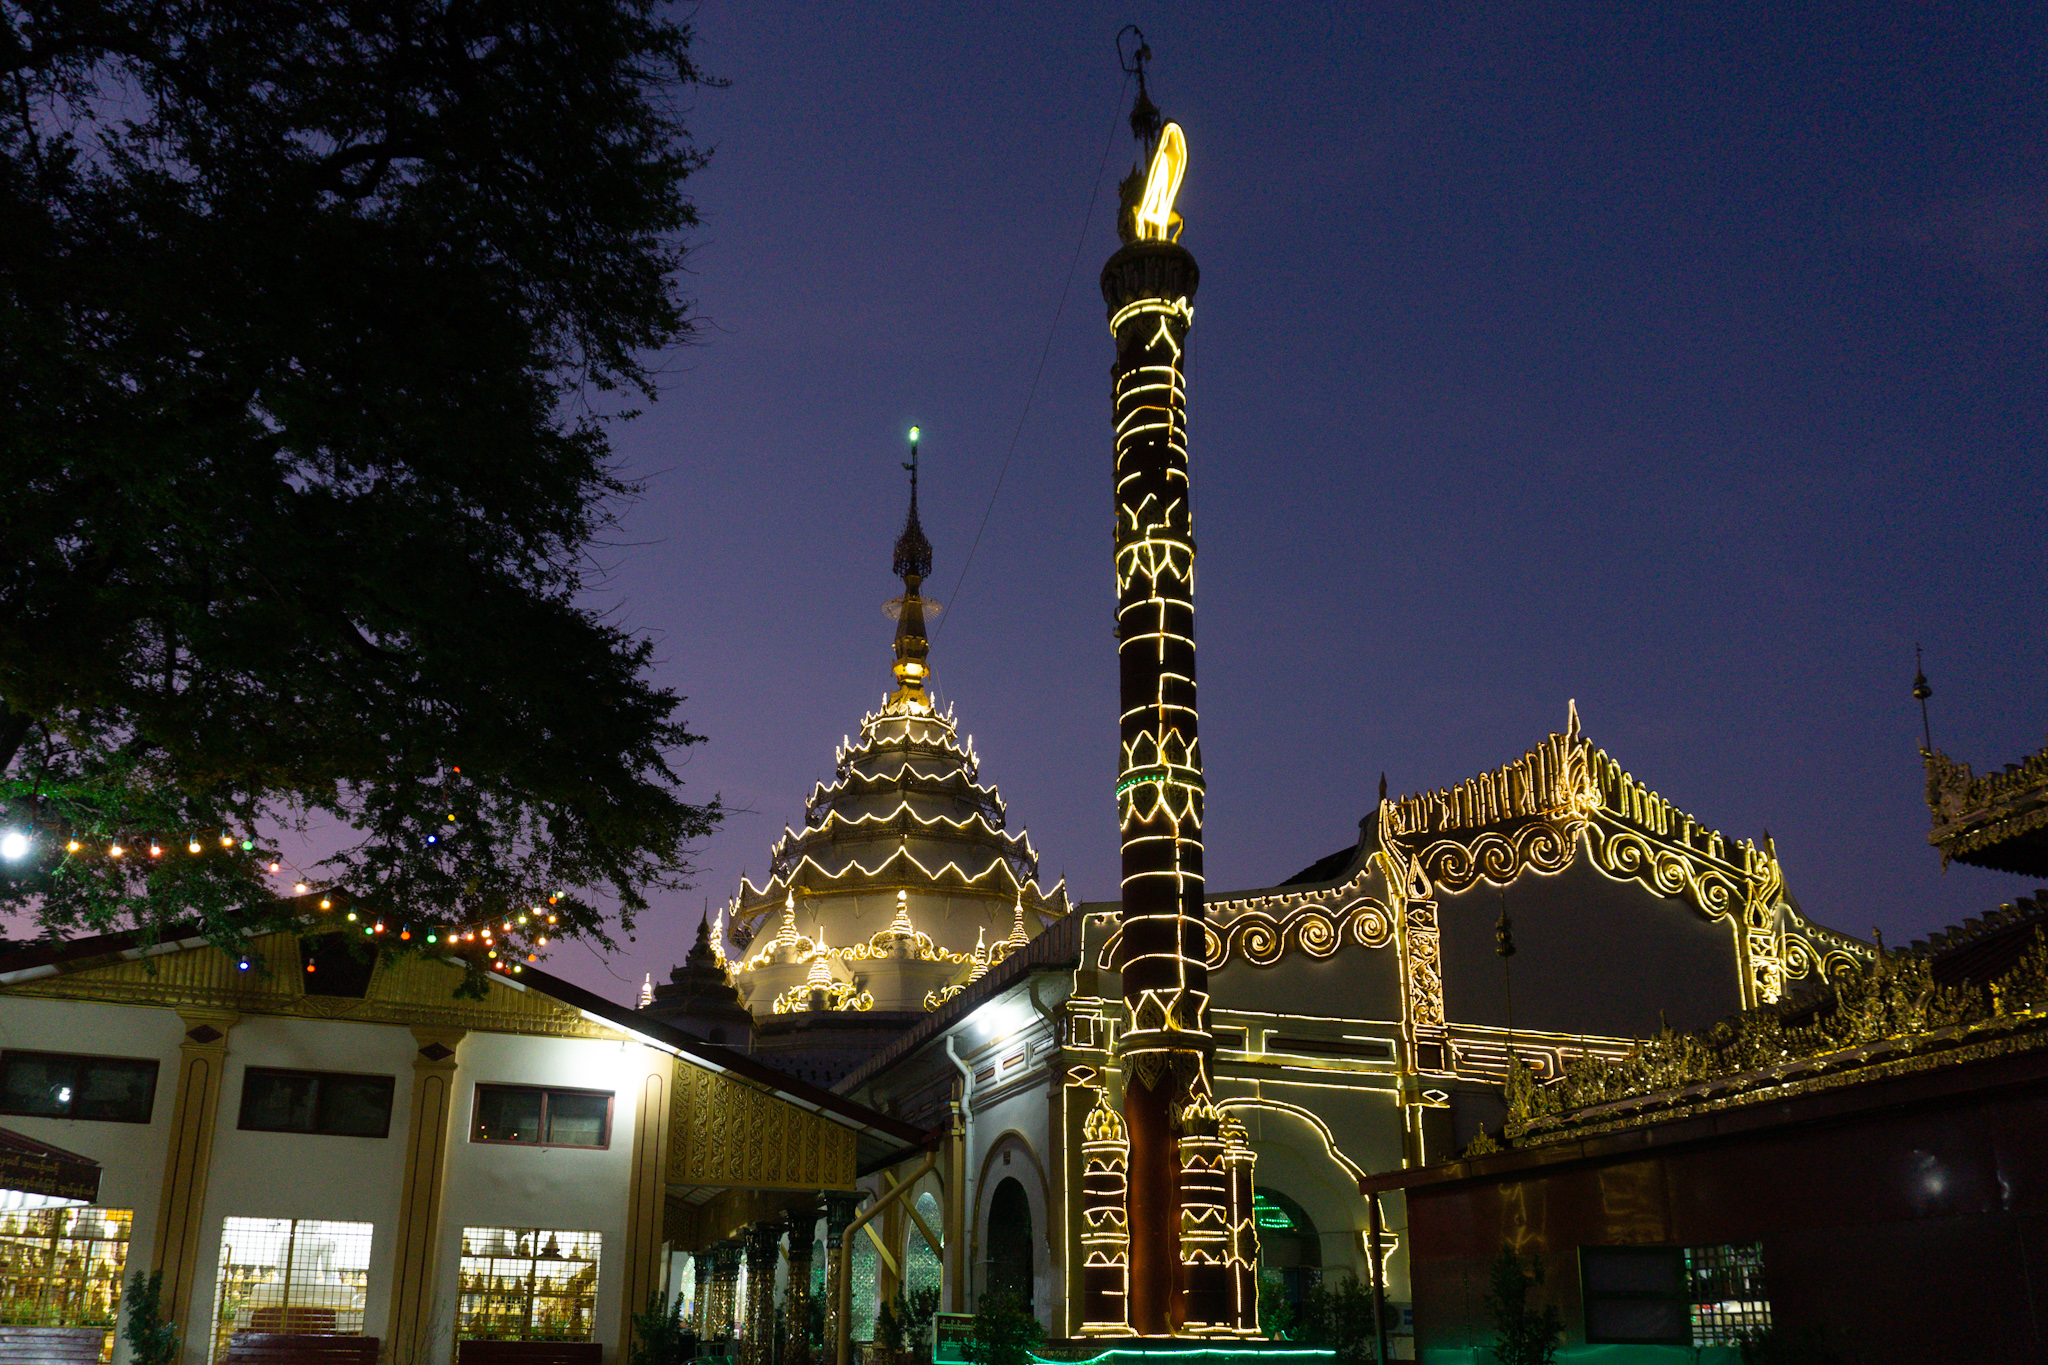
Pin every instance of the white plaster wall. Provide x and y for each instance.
(131, 1155)
(503, 1185)
(1016, 1127)
(305, 1175)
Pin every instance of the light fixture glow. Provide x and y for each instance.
(14, 845)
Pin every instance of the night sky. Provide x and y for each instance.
(1690, 365)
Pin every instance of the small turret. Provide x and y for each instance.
(700, 998)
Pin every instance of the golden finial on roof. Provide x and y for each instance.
(1018, 938)
(980, 955)
(901, 924)
(912, 564)
(787, 936)
(820, 975)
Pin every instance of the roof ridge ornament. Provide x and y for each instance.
(913, 564)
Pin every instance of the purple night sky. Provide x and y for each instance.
(1691, 366)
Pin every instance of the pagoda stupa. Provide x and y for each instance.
(904, 883)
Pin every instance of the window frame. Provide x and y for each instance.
(319, 1101)
(1681, 1296)
(79, 1060)
(547, 1094)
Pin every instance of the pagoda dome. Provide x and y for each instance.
(905, 860)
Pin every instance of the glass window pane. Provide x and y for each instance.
(278, 1101)
(115, 1090)
(577, 1120)
(1633, 1272)
(355, 1106)
(506, 1115)
(1637, 1320)
(31, 1084)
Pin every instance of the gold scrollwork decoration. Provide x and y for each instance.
(1540, 846)
(1628, 856)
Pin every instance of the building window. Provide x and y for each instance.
(62, 1268)
(1728, 1305)
(1675, 1296)
(527, 1284)
(545, 1118)
(1290, 1250)
(58, 1085)
(290, 1275)
(336, 1103)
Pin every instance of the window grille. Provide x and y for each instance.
(527, 1284)
(921, 1263)
(1729, 1305)
(864, 1290)
(291, 1275)
(63, 1267)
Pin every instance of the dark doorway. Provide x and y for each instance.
(1009, 1243)
(1290, 1251)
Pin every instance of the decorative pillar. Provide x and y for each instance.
(1244, 1230)
(725, 1275)
(409, 1337)
(1105, 1234)
(646, 1189)
(802, 1226)
(1149, 288)
(956, 1269)
(840, 1210)
(1205, 1221)
(763, 1241)
(202, 1061)
(700, 1303)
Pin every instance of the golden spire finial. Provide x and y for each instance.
(820, 975)
(980, 955)
(912, 564)
(901, 925)
(1018, 938)
(787, 936)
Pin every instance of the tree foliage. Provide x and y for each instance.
(302, 312)
(1004, 1332)
(151, 1340)
(1338, 1314)
(1525, 1334)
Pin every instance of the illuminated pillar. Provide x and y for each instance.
(839, 1214)
(700, 1303)
(802, 1226)
(764, 1240)
(1205, 1221)
(1149, 287)
(725, 1276)
(1244, 1230)
(1105, 1234)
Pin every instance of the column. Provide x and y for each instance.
(956, 1269)
(409, 1335)
(700, 1303)
(763, 1241)
(840, 1210)
(725, 1275)
(1149, 289)
(202, 1062)
(801, 1224)
(646, 1190)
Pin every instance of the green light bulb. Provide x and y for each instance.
(913, 435)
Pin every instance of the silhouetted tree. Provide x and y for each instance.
(302, 312)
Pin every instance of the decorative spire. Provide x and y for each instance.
(1018, 938)
(820, 975)
(901, 925)
(647, 991)
(980, 956)
(913, 564)
(1921, 692)
(786, 937)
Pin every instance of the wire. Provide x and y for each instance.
(1045, 353)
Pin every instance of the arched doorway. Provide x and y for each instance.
(1290, 1249)
(1010, 1244)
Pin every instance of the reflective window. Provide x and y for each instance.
(548, 1118)
(60, 1085)
(336, 1103)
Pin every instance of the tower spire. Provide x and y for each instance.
(913, 564)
